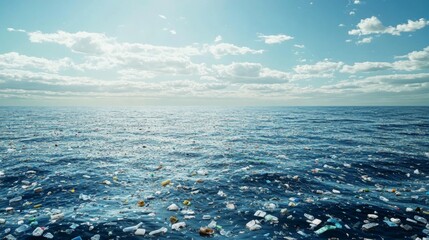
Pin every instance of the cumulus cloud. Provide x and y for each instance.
(9, 29)
(246, 72)
(16, 60)
(273, 39)
(299, 45)
(218, 38)
(413, 61)
(80, 42)
(222, 49)
(162, 16)
(319, 67)
(365, 40)
(365, 67)
(373, 25)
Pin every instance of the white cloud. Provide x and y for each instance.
(9, 29)
(319, 67)
(365, 40)
(218, 38)
(351, 13)
(173, 32)
(299, 46)
(365, 67)
(373, 25)
(246, 72)
(15, 60)
(222, 49)
(273, 39)
(80, 42)
(413, 61)
(162, 16)
(356, 2)
(341, 25)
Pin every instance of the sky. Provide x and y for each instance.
(217, 52)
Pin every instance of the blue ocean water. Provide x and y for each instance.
(337, 164)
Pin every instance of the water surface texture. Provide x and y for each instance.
(82, 171)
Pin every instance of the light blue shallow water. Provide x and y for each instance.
(256, 156)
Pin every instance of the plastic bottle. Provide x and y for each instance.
(132, 228)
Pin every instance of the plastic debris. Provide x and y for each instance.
(22, 228)
(324, 229)
(84, 197)
(230, 206)
(253, 225)
(132, 228)
(390, 223)
(96, 237)
(15, 199)
(38, 232)
(178, 226)
(162, 230)
(140, 232)
(369, 226)
(173, 219)
(420, 219)
(77, 238)
(166, 182)
(206, 231)
(49, 235)
(260, 213)
(271, 218)
(221, 193)
(384, 199)
(141, 203)
(173, 207)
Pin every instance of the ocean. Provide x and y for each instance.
(313, 172)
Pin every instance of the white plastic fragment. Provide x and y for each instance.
(260, 213)
(140, 232)
(270, 206)
(96, 237)
(178, 226)
(221, 193)
(315, 222)
(49, 235)
(2, 220)
(384, 199)
(372, 216)
(253, 225)
(395, 220)
(161, 230)
(369, 226)
(271, 218)
(420, 219)
(132, 228)
(173, 207)
(38, 232)
(336, 191)
(84, 197)
(57, 216)
(230, 206)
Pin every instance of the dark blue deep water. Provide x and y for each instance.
(89, 167)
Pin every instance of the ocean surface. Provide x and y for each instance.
(91, 172)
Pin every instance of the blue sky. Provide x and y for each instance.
(219, 52)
